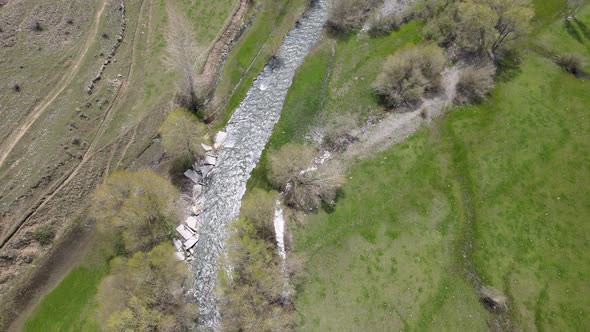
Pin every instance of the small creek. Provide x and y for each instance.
(247, 134)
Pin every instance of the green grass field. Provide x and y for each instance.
(389, 256)
(70, 306)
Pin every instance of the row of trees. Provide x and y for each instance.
(255, 290)
(146, 289)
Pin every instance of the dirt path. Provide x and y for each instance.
(13, 139)
(396, 127)
(220, 49)
(88, 154)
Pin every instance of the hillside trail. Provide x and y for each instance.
(396, 127)
(16, 135)
(89, 153)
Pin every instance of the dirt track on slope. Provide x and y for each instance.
(13, 139)
(396, 127)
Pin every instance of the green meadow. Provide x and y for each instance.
(509, 179)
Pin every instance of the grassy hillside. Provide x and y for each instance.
(509, 176)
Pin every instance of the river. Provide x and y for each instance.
(248, 132)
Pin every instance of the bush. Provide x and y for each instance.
(475, 83)
(258, 207)
(383, 25)
(310, 189)
(409, 74)
(304, 188)
(147, 293)
(571, 62)
(442, 28)
(137, 207)
(338, 134)
(177, 169)
(348, 15)
(16, 87)
(253, 296)
(44, 234)
(288, 162)
(182, 134)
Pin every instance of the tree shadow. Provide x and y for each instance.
(508, 65)
(584, 28)
(572, 31)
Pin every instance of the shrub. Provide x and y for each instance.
(258, 207)
(410, 73)
(338, 134)
(105, 35)
(571, 62)
(384, 24)
(137, 207)
(288, 162)
(348, 15)
(304, 188)
(427, 9)
(16, 87)
(475, 83)
(442, 28)
(253, 296)
(182, 134)
(177, 169)
(44, 234)
(310, 189)
(147, 293)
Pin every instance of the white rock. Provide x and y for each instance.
(206, 169)
(191, 222)
(209, 160)
(185, 232)
(193, 175)
(220, 139)
(206, 147)
(179, 255)
(191, 242)
(197, 190)
(177, 244)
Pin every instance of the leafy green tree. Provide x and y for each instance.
(253, 295)
(486, 26)
(258, 206)
(138, 207)
(182, 134)
(147, 292)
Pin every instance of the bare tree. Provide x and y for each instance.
(184, 56)
(572, 8)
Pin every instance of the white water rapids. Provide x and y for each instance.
(248, 132)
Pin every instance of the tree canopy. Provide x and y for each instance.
(182, 134)
(138, 206)
(485, 26)
(147, 292)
